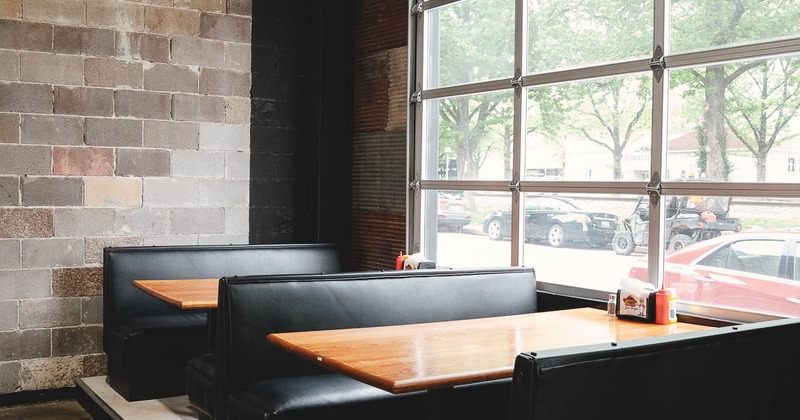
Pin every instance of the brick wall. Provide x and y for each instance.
(121, 123)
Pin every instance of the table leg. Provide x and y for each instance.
(212, 329)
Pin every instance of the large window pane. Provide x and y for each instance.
(590, 131)
(470, 137)
(569, 34)
(469, 41)
(569, 237)
(709, 261)
(736, 122)
(461, 240)
(702, 24)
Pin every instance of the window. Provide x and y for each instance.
(603, 140)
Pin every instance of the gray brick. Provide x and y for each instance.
(171, 135)
(237, 165)
(51, 68)
(171, 240)
(198, 164)
(146, 105)
(223, 192)
(26, 223)
(9, 191)
(224, 82)
(50, 191)
(52, 129)
(145, 222)
(77, 340)
(9, 65)
(9, 128)
(139, 46)
(48, 313)
(50, 373)
(238, 57)
(143, 162)
(9, 315)
(29, 36)
(203, 5)
(18, 345)
(198, 52)
(25, 160)
(114, 14)
(237, 110)
(67, 12)
(224, 137)
(83, 41)
(240, 7)
(170, 78)
(113, 132)
(109, 72)
(237, 220)
(222, 239)
(95, 365)
(92, 310)
(84, 101)
(225, 27)
(197, 221)
(93, 247)
(10, 254)
(74, 222)
(25, 284)
(170, 192)
(52, 252)
(9, 377)
(26, 97)
(198, 108)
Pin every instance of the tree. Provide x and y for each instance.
(761, 106)
(698, 25)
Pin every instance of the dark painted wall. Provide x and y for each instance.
(301, 141)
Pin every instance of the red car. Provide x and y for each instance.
(754, 271)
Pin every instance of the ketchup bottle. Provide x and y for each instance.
(662, 306)
(398, 262)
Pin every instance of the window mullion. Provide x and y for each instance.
(518, 148)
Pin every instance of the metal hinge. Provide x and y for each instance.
(417, 8)
(414, 185)
(416, 97)
(658, 63)
(653, 188)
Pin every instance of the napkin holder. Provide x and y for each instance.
(636, 304)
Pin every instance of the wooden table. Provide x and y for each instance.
(183, 293)
(431, 356)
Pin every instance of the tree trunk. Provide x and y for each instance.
(714, 122)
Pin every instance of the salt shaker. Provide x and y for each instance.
(612, 304)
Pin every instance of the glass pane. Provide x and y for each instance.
(563, 35)
(569, 236)
(738, 253)
(702, 24)
(459, 237)
(469, 137)
(590, 131)
(469, 41)
(736, 122)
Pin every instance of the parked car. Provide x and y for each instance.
(452, 211)
(556, 221)
(757, 271)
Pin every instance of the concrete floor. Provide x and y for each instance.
(61, 410)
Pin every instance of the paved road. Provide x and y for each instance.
(592, 268)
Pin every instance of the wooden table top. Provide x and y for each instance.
(415, 357)
(183, 293)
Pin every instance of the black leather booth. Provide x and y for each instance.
(258, 380)
(149, 341)
(748, 371)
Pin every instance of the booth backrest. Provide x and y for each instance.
(747, 371)
(122, 265)
(252, 308)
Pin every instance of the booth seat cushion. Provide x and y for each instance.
(168, 338)
(200, 372)
(319, 396)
